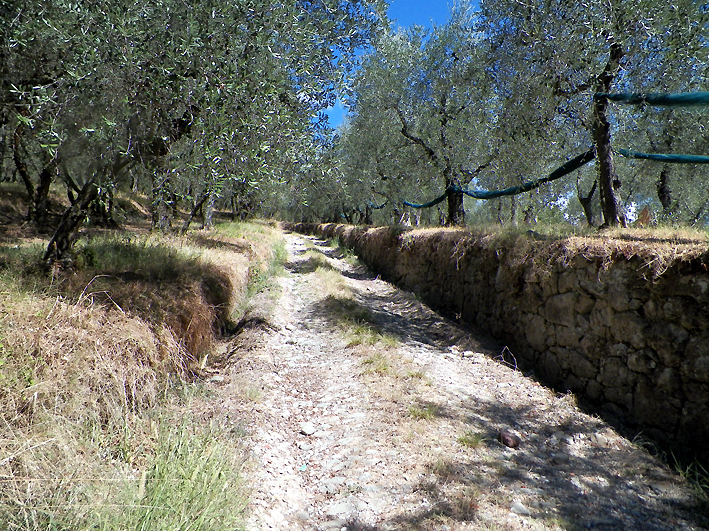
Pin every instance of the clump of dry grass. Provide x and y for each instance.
(657, 249)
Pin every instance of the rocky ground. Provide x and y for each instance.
(401, 430)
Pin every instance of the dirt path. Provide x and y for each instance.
(400, 436)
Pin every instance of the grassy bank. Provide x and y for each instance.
(99, 364)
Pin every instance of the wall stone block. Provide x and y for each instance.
(559, 309)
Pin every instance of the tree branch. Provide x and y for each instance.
(415, 139)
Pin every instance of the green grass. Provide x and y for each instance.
(377, 363)
(423, 411)
(471, 439)
(269, 263)
(192, 483)
(697, 476)
(344, 253)
(191, 480)
(146, 256)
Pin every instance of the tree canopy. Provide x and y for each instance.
(505, 95)
(203, 102)
(222, 105)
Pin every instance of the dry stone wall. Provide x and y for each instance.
(606, 322)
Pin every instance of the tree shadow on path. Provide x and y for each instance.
(566, 474)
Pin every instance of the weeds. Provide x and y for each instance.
(344, 252)
(471, 439)
(423, 411)
(192, 483)
(377, 363)
(697, 476)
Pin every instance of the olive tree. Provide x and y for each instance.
(552, 51)
(195, 101)
(425, 94)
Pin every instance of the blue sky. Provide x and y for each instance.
(405, 13)
(409, 12)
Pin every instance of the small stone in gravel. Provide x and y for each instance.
(340, 509)
(599, 440)
(335, 481)
(304, 446)
(561, 458)
(307, 428)
(520, 509)
(302, 516)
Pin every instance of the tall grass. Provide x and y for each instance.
(191, 483)
(269, 256)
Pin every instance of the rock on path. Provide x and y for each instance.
(335, 447)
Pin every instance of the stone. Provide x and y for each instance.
(615, 373)
(581, 367)
(629, 327)
(307, 428)
(520, 509)
(561, 437)
(567, 336)
(653, 408)
(618, 350)
(594, 390)
(697, 347)
(535, 330)
(650, 310)
(568, 281)
(620, 396)
(560, 458)
(340, 509)
(335, 524)
(550, 368)
(509, 439)
(601, 315)
(697, 369)
(559, 309)
(668, 379)
(531, 299)
(668, 340)
(584, 304)
(583, 322)
(599, 440)
(640, 362)
(617, 295)
(593, 286)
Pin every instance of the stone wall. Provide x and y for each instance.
(622, 326)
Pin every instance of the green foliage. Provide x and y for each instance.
(504, 95)
(471, 439)
(424, 411)
(220, 101)
(141, 256)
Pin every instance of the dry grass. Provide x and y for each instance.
(655, 249)
(97, 364)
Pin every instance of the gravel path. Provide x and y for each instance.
(405, 435)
